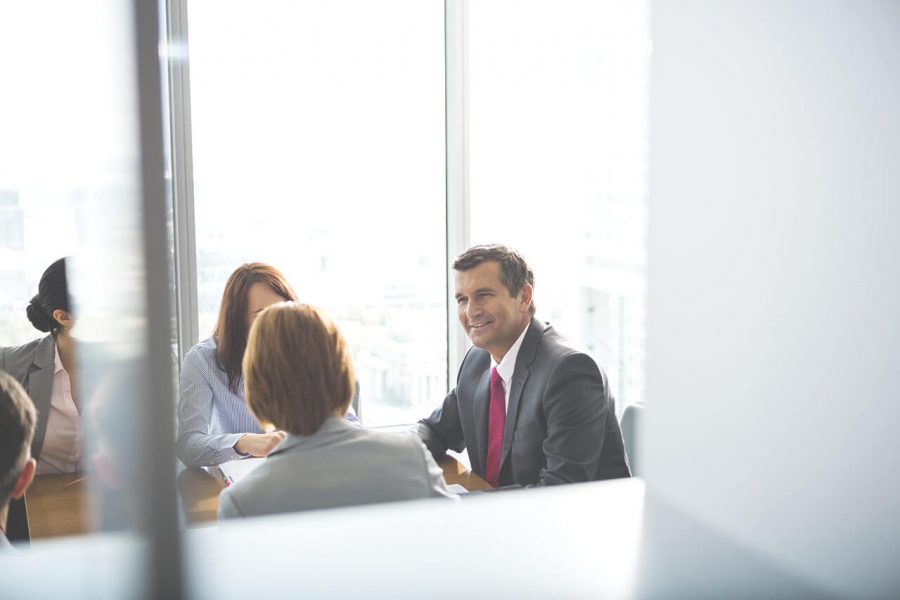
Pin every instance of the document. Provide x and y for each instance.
(457, 489)
(235, 470)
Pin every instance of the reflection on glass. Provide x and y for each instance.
(318, 135)
(558, 102)
(69, 174)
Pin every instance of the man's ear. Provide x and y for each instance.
(527, 295)
(63, 318)
(25, 479)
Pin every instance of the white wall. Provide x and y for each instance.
(774, 280)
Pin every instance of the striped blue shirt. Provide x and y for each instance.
(212, 418)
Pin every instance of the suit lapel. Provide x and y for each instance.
(520, 375)
(480, 407)
(40, 387)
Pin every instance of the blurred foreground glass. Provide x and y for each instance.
(558, 122)
(70, 185)
(318, 137)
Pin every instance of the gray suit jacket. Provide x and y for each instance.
(32, 364)
(561, 424)
(339, 465)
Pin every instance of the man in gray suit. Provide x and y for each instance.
(529, 408)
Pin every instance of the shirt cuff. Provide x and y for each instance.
(226, 447)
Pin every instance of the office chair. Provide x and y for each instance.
(17, 529)
(632, 424)
(355, 403)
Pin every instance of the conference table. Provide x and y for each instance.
(57, 505)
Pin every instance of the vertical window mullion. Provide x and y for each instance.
(182, 177)
(457, 165)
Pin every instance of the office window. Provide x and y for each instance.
(66, 142)
(558, 110)
(318, 147)
(28, 213)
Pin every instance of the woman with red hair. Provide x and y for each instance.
(214, 425)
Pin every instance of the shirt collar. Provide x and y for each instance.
(508, 365)
(331, 426)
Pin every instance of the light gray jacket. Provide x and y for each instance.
(32, 365)
(339, 465)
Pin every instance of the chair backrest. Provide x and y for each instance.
(632, 424)
(17, 529)
(355, 403)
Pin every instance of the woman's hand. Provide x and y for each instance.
(259, 444)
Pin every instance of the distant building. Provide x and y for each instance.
(12, 221)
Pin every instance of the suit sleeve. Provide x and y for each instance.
(228, 508)
(442, 430)
(433, 474)
(575, 403)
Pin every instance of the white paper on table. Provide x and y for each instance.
(235, 470)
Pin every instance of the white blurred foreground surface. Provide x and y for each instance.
(577, 541)
(774, 281)
(595, 540)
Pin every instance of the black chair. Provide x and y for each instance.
(17, 530)
(632, 424)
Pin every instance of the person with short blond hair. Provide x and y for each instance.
(299, 377)
(17, 467)
(299, 400)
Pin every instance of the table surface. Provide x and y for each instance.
(58, 506)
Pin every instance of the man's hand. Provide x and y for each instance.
(259, 444)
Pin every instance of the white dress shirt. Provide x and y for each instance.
(507, 366)
(62, 441)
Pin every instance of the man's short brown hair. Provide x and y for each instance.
(514, 271)
(17, 419)
(297, 368)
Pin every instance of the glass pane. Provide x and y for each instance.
(70, 186)
(318, 134)
(558, 111)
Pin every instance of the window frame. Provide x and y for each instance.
(456, 196)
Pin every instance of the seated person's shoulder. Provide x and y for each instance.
(201, 354)
(395, 443)
(556, 349)
(12, 357)
(383, 438)
(21, 349)
(561, 357)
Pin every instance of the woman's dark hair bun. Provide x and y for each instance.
(38, 316)
(53, 293)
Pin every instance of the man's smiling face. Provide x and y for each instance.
(491, 317)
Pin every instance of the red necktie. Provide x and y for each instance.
(496, 421)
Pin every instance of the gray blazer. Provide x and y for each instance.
(561, 424)
(339, 465)
(32, 364)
